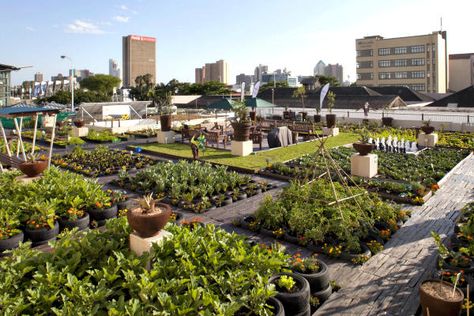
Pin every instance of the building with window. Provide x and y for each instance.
(259, 71)
(334, 70)
(218, 71)
(248, 79)
(138, 58)
(114, 69)
(320, 69)
(38, 77)
(461, 71)
(419, 62)
(5, 79)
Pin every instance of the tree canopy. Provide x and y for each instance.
(103, 84)
(270, 85)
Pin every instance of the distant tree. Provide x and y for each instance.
(143, 88)
(300, 93)
(214, 88)
(103, 84)
(80, 96)
(269, 85)
(328, 79)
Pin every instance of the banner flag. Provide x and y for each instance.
(255, 90)
(324, 91)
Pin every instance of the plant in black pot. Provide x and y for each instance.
(363, 147)
(427, 128)
(331, 118)
(149, 217)
(165, 109)
(102, 208)
(74, 215)
(293, 292)
(314, 271)
(10, 234)
(300, 92)
(41, 225)
(241, 122)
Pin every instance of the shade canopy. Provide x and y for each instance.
(223, 104)
(23, 109)
(259, 103)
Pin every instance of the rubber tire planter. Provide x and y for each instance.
(297, 302)
(80, 223)
(101, 215)
(278, 309)
(41, 236)
(11, 243)
(317, 281)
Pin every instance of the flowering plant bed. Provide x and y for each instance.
(403, 178)
(60, 141)
(101, 137)
(101, 161)
(192, 186)
(147, 133)
(98, 274)
(308, 217)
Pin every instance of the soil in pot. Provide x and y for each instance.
(149, 224)
(11, 243)
(296, 302)
(437, 299)
(32, 169)
(317, 280)
(41, 236)
(80, 223)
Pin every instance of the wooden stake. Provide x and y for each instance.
(34, 134)
(52, 140)
(7, 146)
(20, 140)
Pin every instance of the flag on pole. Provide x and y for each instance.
(242, 92)
(255, 90)
(324, 91)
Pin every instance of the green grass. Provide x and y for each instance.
(255, 161)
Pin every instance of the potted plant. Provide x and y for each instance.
(387, 121)
(41, 225)
(34, 165)
(427, 128)
(331, 118)
(165, 110)
(313, 270)
(317, 116)
(438, 297)
(74, 216)
(293, 292)
(363, 147)
(79, 122)
(10, 234)
(300, 92)
(241, 123)
(149, 217)
(102, 209)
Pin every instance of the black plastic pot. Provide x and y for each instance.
(317, 281)
(101, 215)
(387, 121)
(81, 223)
(331, 120)
(317, 118)
(297, 302)
(41, 236)
(11, 243)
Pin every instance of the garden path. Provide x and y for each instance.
(388, 283)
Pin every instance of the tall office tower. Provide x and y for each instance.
(334, 71)
(461, 71)
(319, 69)
(38, 77)
(114, 69)
(419, 62)
(138, 57)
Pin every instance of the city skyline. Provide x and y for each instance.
(90, 33)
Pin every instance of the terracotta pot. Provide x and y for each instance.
(241, 131)
(317, 118)
(331, 120)
(387, 121)
(363, 148)
(165, 121)
(79, 123)
(438, 306)
(427, 129)
(32, 169)
(148, 225)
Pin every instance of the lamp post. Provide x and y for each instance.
(71, 81)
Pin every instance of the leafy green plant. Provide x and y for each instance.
(286, 283)
(241, 112)
(331, 100)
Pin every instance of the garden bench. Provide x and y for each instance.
(215, 137)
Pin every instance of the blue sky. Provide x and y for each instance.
(293, 34)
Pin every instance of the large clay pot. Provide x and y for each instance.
(241, 131)
(440, 305)
(363, 148)
(165, 121)
(331, 120)
(32, 169)
(387, 121)
(317, 118)
(148, 225)
(79, 123)
(427, 129)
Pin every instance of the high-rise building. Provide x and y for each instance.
(217, 71)
(138, 57)
(248, 79)
(259, 71)
(419, 62)
(461, 71)
(80, 74)
(334, 71)
(5, 79)
(319, 69)
(38, 77)
(114, 69)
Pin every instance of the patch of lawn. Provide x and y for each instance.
(255, 161)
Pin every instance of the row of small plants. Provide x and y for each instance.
(104, 136)
(409, 177)
(203, 271)
(458, 255)
(309, 215)
(60, 140)
(59, 199)
(193, 186)
(101, 161)
(146, 133)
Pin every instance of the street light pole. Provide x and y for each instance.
(71, 81)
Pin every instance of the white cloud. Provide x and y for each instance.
(31, 29)
(83, 27)
(124, 7)
(121, 18)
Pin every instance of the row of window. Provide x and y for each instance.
(392, 75)
(402, 62)
(395, 51)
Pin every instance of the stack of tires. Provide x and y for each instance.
(296, 303)
(319, 283)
